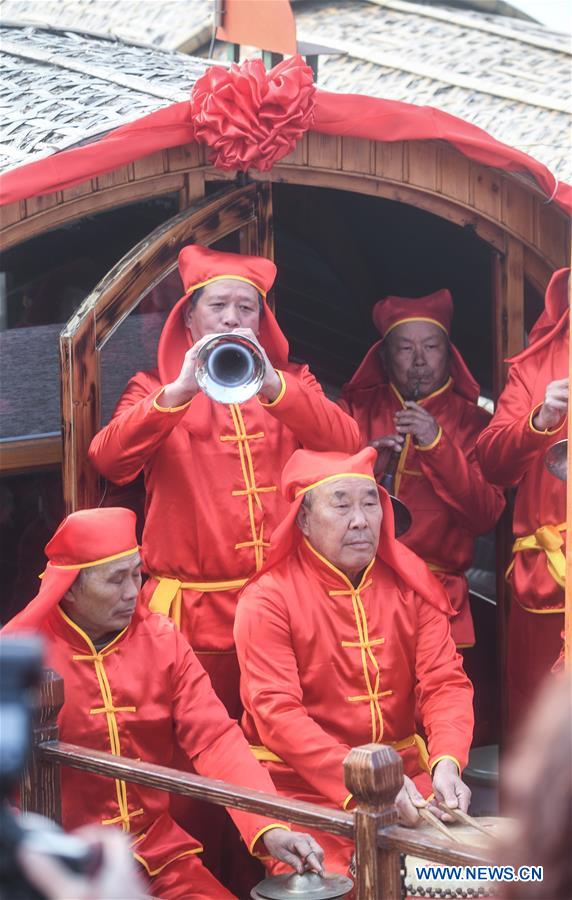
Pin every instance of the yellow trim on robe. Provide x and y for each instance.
(97, 658)
(200, 284)
(262, 831)
(446, 756)
(152, 872)
(548, 539)
(416, 319)
(324, 481)
(433, 442)
(96, 562)
(277, 399)
(169, 409)
(546, 431)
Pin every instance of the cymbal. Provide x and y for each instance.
(556, 460)
(308, 886)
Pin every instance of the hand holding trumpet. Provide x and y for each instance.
(185, 386)
(553, 407)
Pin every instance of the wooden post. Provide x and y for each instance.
(40, 783)
(374, 775)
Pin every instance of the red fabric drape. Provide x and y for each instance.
(343, 114)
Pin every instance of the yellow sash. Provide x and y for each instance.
(168, 594)
(265, 755)
(549, 539)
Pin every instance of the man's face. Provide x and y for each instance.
(223, 306)
(342, 522)
(416, 356)
(102, 599)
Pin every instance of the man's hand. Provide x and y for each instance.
(185, 387)
(295, 848)
(449, 788)
(408, 802)
(389, 443)
(415, 420)
(554, 406)
(271, 386)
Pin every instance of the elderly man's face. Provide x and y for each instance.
(102, 599)
(342, 519)
(222, 306)
(416, 356)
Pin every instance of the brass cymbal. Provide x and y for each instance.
(308, 886)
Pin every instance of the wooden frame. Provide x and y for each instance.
(244, 209)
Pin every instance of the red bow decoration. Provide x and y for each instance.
(251, 118)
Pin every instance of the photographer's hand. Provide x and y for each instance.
(115, 879)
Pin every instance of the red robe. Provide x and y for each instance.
(511, 452)
(211, 475)
(442, 485)
(138, 697)
(309, 700)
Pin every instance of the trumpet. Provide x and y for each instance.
(230, 368)
(401, 514)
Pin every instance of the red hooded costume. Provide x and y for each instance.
(210, 470)
(441, 484)
(326, 666)
(511, 452)
(138, 696)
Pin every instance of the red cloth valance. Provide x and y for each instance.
(336, 114)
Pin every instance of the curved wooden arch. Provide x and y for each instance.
(243, 209)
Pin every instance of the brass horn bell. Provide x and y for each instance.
(230, 368)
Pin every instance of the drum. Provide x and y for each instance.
(419, 884)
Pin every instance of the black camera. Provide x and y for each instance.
(20, 677)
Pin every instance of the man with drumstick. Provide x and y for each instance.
(211, 469)
(416, 403)
(531, 416)
(340, 637)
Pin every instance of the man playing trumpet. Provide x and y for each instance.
(211, 469)
(413, 396)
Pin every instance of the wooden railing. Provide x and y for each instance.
(373, 774)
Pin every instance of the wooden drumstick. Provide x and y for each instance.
(464, 817)
(431, 819)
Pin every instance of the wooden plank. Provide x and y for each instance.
(148, 166)
(12, 213)
(552, 235)
(389, 160)
(357, 155)
(40, 783)
(117, 176)
(453, 174)
(265, 218)
(422, 158)
(90, 204)
(188, 784)
(514, 297)
(79, 190)
(485, 191)
(537, 271)
(80, 413)
(19, 456)
(35, 205)
(194, 189)
(299, 156)
(324, 151)
(517, 209)
(186, 156)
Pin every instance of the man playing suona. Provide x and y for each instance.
(211, 469)
(337, 636)
(133, 687)
(416, 401)
(531, 416)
